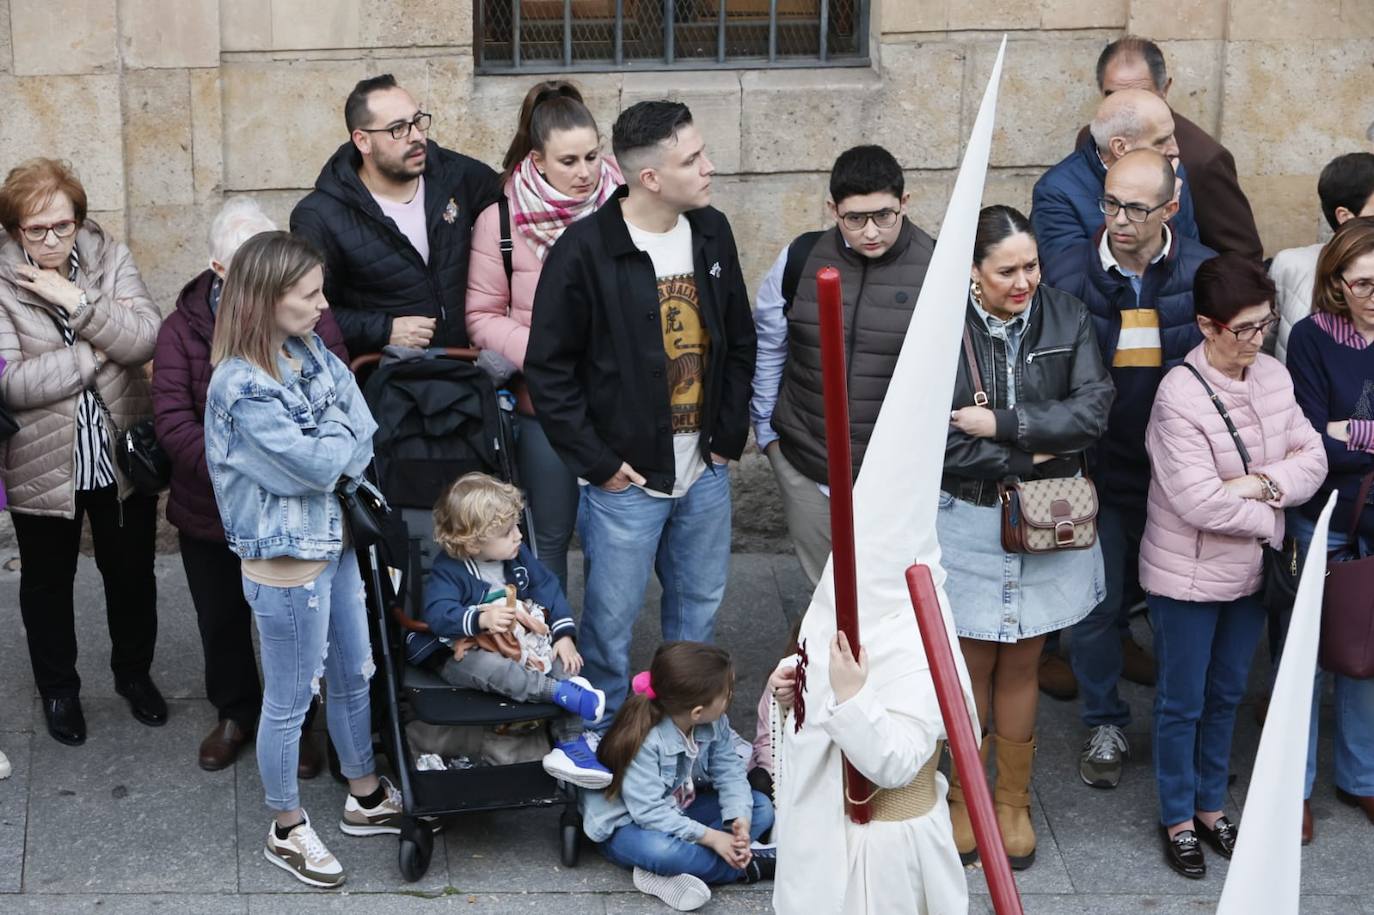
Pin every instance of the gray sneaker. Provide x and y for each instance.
(1099, 764)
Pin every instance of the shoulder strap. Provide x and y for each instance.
(507, 241)
(1226, 417)
(797, 254)
(1360, 501)
(980, 396)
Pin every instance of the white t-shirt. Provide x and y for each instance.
(410, 218)
(686, 343)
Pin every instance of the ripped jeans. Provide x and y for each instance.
(314, 630)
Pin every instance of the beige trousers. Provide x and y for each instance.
(808, 514)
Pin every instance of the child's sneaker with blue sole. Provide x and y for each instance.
(574, 762)
(577, 695)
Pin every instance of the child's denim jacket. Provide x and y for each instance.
(276, 449)
(661, 767)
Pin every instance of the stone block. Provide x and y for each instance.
(1287, 212)
(1269, 120)
(113, 222)
(914, 16)
(929, 197)
(1048, 92)
(1084, 14)
(245, 25)
(63, 36)
(766, 212)
(207, 133)
(168, 244)
(6, 51)
(169, 33)
(1010, 187)
(316, 24)
(993, 14)
(76, 118)
(157, 137)
(1196, 70)
(1180, 19)
(910, 109)
(715, 102)
(490, 108)
(1283, 20)
(266, 148)
(415, 23)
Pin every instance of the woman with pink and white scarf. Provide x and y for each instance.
(555, 174)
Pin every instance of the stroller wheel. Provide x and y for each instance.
(416, 847)
(570, 832)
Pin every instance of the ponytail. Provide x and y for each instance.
(683, 675)
(554, 104)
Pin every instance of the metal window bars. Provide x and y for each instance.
(543, 36)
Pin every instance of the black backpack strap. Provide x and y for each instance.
(797, 254)
(507, 241)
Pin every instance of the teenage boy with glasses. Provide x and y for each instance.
(392, 213)
(882, 257)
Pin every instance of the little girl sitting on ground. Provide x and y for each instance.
(502, 622)
(657, 817)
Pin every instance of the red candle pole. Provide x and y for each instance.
(962, 744)
(840, 468)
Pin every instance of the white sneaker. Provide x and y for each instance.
(682, 892)
(304, 856)
(5, 768)
(374, 821)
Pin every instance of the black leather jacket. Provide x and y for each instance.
(1063, 396)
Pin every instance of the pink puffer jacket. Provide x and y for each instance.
(497, 312)
(1201, 543)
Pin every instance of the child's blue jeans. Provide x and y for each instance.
(634, 846)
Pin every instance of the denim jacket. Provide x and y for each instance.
(276, 449)
(659, 768)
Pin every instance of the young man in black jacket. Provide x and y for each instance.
(640, 356)
(392, 213)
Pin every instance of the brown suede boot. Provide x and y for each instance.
(958, 809)
(1011, 800)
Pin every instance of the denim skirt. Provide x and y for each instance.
(997, 596)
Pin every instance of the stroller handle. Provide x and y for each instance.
(466, 353)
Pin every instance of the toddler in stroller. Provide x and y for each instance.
(499, 622)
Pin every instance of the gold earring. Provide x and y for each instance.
(978, 293)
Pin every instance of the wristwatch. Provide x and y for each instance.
(81, 306)
(1271, 487)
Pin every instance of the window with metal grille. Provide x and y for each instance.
(532, 36)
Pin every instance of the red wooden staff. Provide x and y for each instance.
(841, 475)
(962, 744)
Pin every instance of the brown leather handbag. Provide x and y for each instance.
(1040, 516)
(1347, 633)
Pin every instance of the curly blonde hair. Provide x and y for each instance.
(476, 508)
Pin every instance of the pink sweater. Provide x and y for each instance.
(1202, 543)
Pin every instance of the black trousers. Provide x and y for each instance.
(214, 576)
(124, 537)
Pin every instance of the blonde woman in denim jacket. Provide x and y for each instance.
(285, 422)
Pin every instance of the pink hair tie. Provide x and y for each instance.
(643, 685)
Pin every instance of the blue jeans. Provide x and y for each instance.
(634, 846)
(305, 632)
(1095, 642)
(1204, 651)
(1354, 699)
(552, 490)
(625, 535)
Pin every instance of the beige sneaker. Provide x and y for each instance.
(374, 821)
(304, 856)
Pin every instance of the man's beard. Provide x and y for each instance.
(400, 170)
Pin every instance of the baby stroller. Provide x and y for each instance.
(439, 418)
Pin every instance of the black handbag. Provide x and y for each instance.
(140, 458)
(8, 424)
(365, 511)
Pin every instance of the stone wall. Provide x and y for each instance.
(165, 106)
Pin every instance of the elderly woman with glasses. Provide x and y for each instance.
(76, 327)
(1229, 449)
(1332, 362)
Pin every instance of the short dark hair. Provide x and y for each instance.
(1135, 46)
(356, 111)
(1227, 284)
(646, 124)
(1347, 181)
(865, 170)
(996, 224)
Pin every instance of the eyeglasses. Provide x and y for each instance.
(63, 229)
(1360, 289)
(402, 130)
(1249, 332)
(884, 219)
(1134, 211)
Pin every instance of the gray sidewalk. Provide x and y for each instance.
(129, 824)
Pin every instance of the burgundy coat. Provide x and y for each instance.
(181, 375)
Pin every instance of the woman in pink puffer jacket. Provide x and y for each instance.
(1213, 505)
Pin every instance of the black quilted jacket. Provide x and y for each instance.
(372, 272)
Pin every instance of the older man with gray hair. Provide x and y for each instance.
(181, 374)
(1066, 203)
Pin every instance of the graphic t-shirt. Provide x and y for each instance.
(410, 218)
(685, 343)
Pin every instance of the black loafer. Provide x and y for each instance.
(66, 723)
(1222, 836)
(1184, 854)
(145, 701)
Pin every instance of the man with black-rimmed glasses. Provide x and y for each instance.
(392, 213)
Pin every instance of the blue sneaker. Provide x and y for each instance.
(575, 763)
(578, 696)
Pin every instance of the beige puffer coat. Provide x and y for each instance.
(43, 377)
